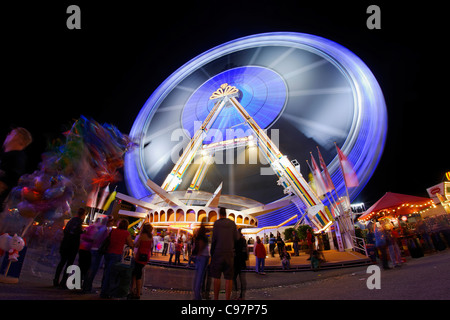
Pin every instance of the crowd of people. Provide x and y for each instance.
(386, 241)
(101, 242)
(392, 243)
(224, 253)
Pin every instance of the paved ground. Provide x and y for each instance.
(172, 282)
(332, 258)
(424, 278)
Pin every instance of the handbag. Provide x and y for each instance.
(143, 257)
(127, 255)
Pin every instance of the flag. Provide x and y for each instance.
(318, 176)
(328, 181)
(320, 184)
(92, 197)
(312, 182)
(111, 198)
(102, 200)
(350, 178)
(330, 215)
(314, 187)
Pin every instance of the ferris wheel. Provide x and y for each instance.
(306, 91)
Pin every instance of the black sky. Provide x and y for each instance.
(124, 50)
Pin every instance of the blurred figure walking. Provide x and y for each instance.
(201, 252)
(240, 263)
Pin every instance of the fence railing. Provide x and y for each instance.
(359, 245)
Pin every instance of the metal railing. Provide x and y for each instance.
(359, 245)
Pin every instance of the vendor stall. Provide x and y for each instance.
(401, 215)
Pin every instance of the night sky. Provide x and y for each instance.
(124, 50)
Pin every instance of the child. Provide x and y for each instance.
(171, 250)
(178, 247)
(315, 260)
(260, 254)
(285, 259)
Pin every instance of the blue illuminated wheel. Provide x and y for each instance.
(262, 92)
(309, 90)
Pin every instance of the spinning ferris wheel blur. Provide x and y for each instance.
(306, 91)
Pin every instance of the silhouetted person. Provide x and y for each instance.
(201, 263)
(224, 236)
(69, 246)
(240, 263)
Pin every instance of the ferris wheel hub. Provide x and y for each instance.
(260, 90)
(225, 90)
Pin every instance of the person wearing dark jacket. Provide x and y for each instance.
(280, 244)
(224, 237)
(240, 263)
(69, 246)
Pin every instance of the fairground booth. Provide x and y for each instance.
(418, 224)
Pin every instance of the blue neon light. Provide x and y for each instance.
(262, 94)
